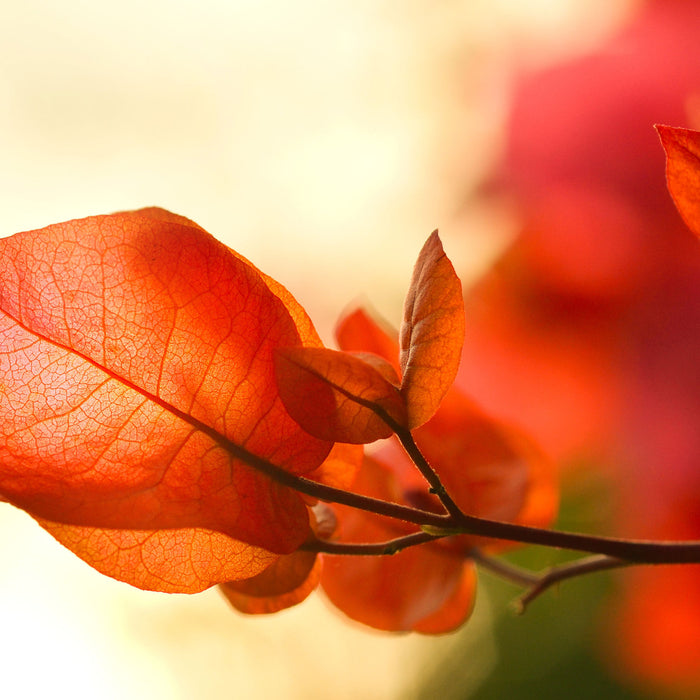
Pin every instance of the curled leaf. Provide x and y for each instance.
(682, 148)
(432, 332)
(338, 396)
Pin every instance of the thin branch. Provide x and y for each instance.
(371, 549)
(331, 494)
(638, 551)
(556, 574)
(409, 444)
(505, 570)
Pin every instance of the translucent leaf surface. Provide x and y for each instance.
(682, 148)
(137, 381)
(338, 396)
(432, 332)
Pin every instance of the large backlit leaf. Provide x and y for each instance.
(338, 396)
(682, 148)
(172, 561)
(137, 379)
(432, 332)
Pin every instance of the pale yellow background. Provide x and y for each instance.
(324, 141)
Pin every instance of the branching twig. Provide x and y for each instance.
(409, 444)
(555, 574)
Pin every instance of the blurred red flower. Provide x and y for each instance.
(587, 332)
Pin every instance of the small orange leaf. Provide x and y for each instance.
(432, 332)
(490, 469)
(286, 582)
(682, 148)
(338, 396)
(171, 561)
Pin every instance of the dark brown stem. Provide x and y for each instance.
(331, 494)
(413, 451)
(637, 551)
(370, 549)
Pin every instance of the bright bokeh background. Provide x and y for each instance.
(323, 141)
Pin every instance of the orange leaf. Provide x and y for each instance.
(426, 588)
(338, 396)
(432, 332)
(172, 561)
(420, 589)
(137, 380)
(682, 148)
(340, 468)
(490, 469)
(357, 331)
(296, 311)
(283, 584)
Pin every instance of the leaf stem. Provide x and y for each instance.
(505, 570)
(370, 549)
(636, 551)
(556, 574)
(409, 444)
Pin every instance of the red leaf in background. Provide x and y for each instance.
(338, 396)
(432, 332)
(490, 470)
(587, 332)
(682, 148)
(138, 376)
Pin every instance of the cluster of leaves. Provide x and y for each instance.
(170, 415)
